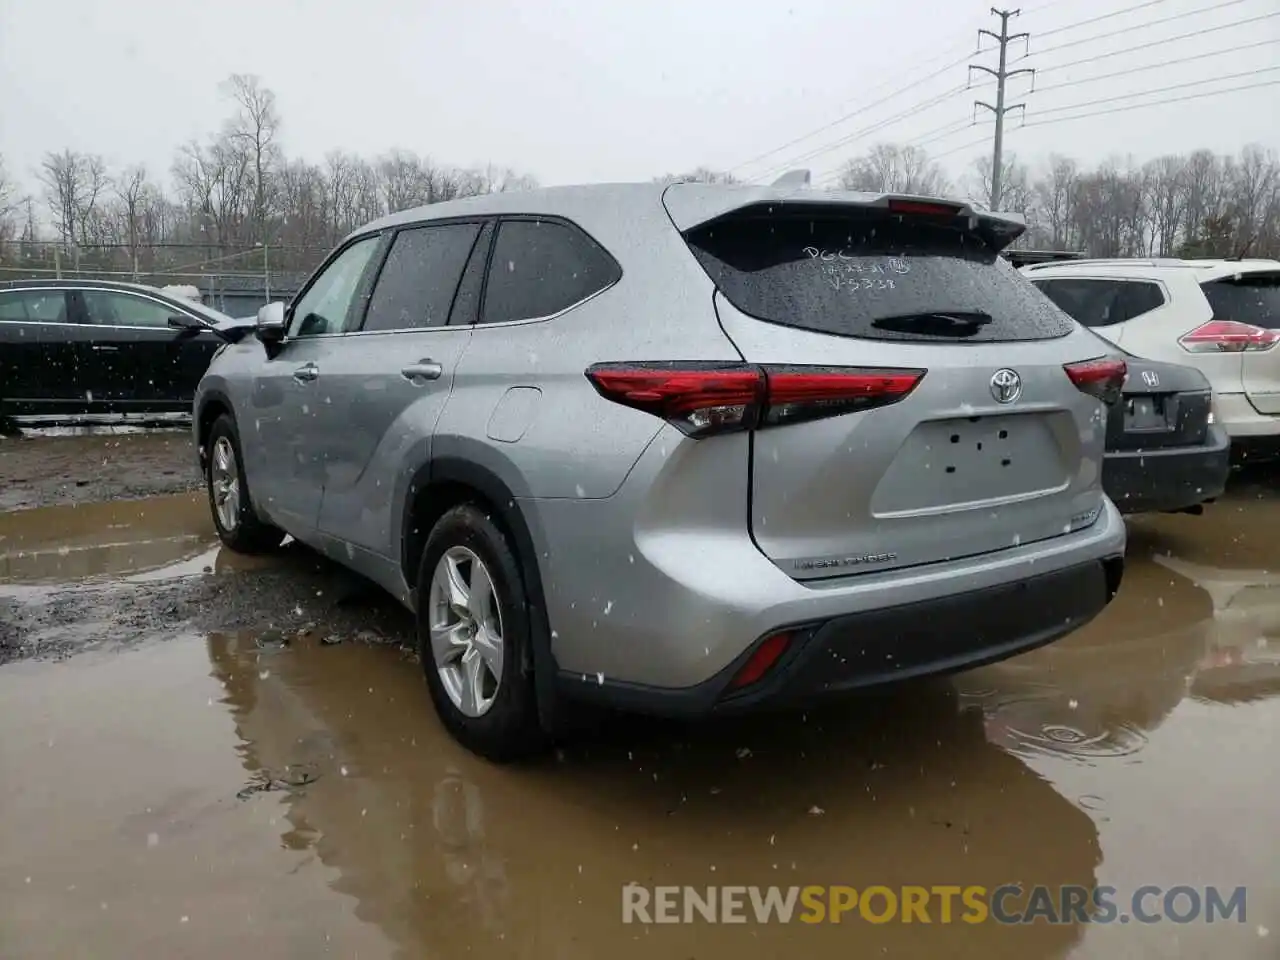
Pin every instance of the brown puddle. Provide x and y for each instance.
(289, 802)
(123, 539)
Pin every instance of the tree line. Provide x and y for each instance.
(234, 200)
(1200, 204)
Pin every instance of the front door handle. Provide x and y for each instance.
(422, 370)
(307, 373)
(105, 348)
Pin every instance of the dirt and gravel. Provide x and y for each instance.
(41, 468)
(206, 754)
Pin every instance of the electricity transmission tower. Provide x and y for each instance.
(1002, 73)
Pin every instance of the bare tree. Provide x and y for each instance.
(253, 131)
(889, 168)
(1055, 197)
(1167, 199)
(62, 176)
(8, 205)
(131, 191)
(698, 175)
(1015, 180)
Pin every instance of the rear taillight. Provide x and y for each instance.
(1228, 336)
(1102, 378)
(701, 399)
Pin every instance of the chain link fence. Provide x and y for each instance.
(235, 281)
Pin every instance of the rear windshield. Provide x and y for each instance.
(1248, 298)
(874, 275)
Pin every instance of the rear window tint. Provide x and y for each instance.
(1249, 298)
(873, 275)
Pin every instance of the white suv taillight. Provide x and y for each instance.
(1228, 336)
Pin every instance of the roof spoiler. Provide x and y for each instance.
(793, 178)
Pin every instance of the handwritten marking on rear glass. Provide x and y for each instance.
(845, 272)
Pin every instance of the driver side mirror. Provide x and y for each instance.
(272, 321)
(186, 326)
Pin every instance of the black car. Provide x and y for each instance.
(77, 347)
(1164, 452)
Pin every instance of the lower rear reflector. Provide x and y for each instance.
(761, 660)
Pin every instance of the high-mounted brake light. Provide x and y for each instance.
(1228, 336)
(1102, 378)
(924, 208)
(702, 399)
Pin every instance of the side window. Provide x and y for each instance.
(541, 267)
(1101, 303)
(108, 308)
(420, 276)
(34, 306)
(326, 306)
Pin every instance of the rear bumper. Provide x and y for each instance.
(1172, 479)
(847, 634)
(1241, 420)
(892, 645)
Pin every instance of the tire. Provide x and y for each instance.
(495, 715)
(242, 530)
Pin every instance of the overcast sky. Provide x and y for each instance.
(588, 90)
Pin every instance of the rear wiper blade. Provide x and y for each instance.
(940, 323)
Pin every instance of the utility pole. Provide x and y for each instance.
(1000, 109)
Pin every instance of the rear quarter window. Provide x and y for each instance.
(1102, 303)
(542, 267)
(872, 275)
(1247, 298)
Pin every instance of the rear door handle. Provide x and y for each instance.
(307, 373)
(422, 370)
(105, 348)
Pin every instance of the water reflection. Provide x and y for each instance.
(1178, 628)
(67, 543)
(1100, 692)
(449, 855)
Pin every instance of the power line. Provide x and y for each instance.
(1105, 16)
(1145, 93)
(1153, 23)
(963, 146)
(911, 111)
(1153, 43)
(850, 115)
(938, 133)
(1153, 103)
(1155, 66)
(1124, 107)
(862, 132)
(934, 101)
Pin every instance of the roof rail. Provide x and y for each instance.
(1103, 261)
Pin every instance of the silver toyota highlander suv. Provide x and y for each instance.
(685, 450)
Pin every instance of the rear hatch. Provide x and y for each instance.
(1246, 320)
(1162, 405)
(992, 444)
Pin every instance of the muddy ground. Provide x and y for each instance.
(204, 755)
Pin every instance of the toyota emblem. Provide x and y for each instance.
(1006, 385)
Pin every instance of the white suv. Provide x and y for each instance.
(1222, 316)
